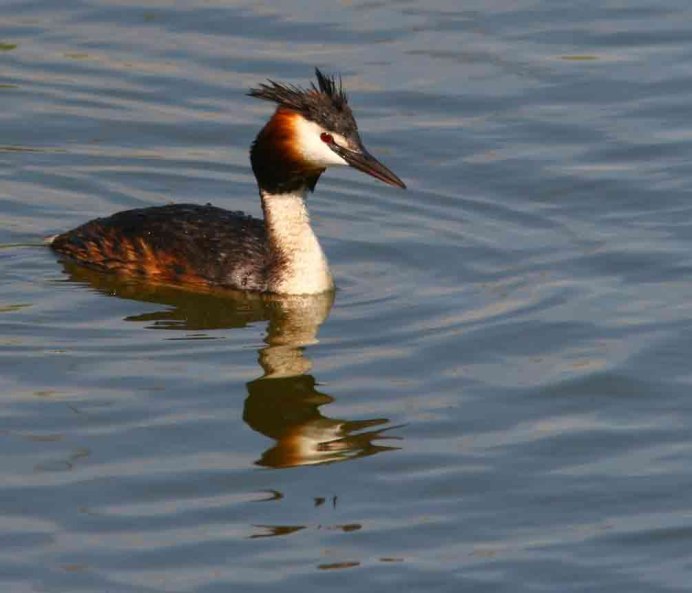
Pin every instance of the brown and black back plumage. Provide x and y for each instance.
(198, 246)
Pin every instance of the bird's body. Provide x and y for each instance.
(186, 244)
(203, 247)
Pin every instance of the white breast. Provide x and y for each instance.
(304, 268)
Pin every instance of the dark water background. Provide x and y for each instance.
(499, 399)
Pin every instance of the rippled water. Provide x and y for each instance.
(496, 400)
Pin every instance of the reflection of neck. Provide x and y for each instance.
(283, 361)
(293, 325)
(303, 268)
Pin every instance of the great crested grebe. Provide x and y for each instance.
(203, 247)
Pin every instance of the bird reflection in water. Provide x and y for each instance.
(284, 403)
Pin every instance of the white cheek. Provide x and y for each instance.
(311, 146)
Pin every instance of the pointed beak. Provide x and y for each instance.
(362, 160)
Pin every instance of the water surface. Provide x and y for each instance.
(497, 397)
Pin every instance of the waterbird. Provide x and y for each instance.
(206, 248)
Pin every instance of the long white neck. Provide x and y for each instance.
(303, 267)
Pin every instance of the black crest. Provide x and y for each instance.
(324, 103)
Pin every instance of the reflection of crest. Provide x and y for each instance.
(283, 403)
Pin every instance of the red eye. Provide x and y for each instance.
(327, 138)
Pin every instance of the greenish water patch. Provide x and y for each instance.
(579, 58)
(46, 149)
(12, 308)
